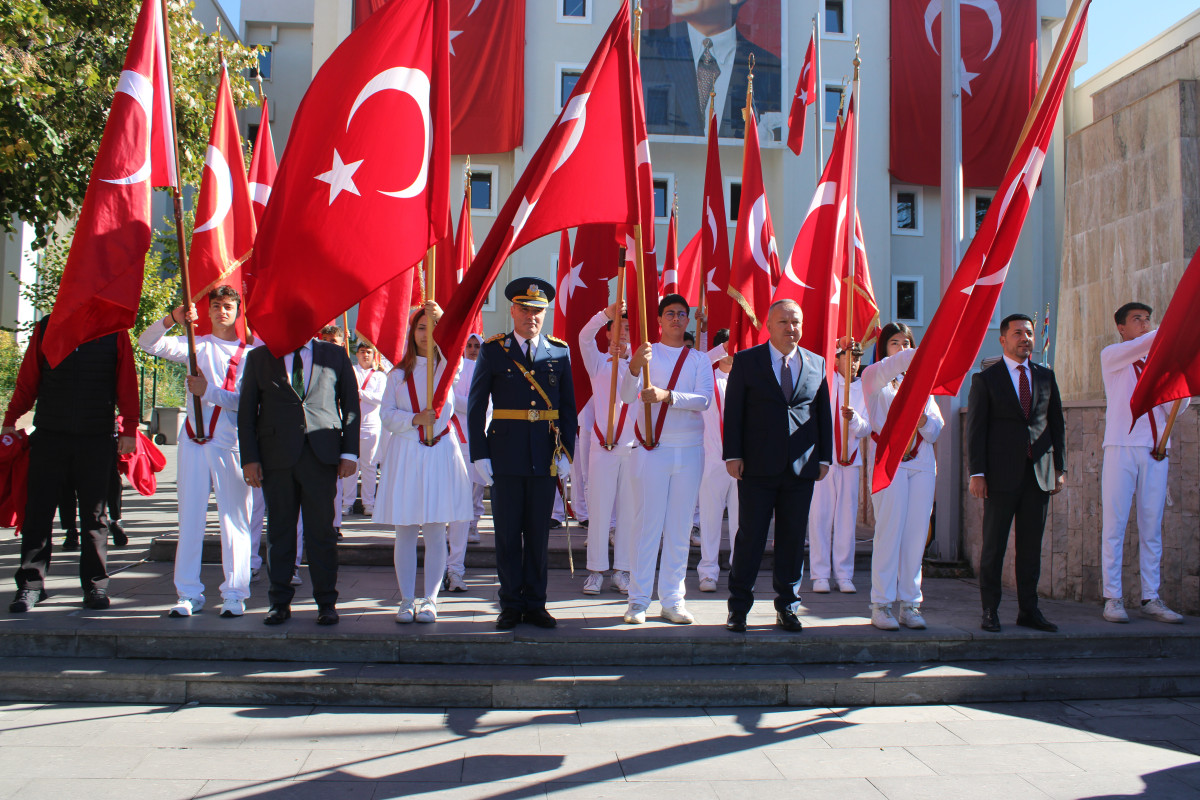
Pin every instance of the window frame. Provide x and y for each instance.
(493, 199)
(919, 280)
(728, 182)
(847, 34)
(561, 67)
(669, 177)
(972, 196)
(918, 193)
(825, 104)
(586, 19)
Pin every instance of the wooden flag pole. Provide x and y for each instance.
(1160, 450)
(346, 333)
(430, 285)
(185, 283)
(851, 236)
(638, 260)
(609, 444)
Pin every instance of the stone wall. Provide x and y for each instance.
(1071, 545)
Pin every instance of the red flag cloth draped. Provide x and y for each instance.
(101, 285)
(714, 252)
(1172, 370)
(806, 88)
(263, 165)
(590, 144)
(142, 464)
(363, 188)
(464, 253)
(755, 255)
(956, 332)
(225, 226)
(645, 197)
(487, 72)
(669, 280)
(14, 479)
(581, 291)
(866, 310)
(383, 314)
(688, 278)
(998, 75)
(562, 285)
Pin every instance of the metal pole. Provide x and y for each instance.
(819, 100)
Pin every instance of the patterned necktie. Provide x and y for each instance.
(1026, 403)
(785, 380)
(706, 74)
(298, 372)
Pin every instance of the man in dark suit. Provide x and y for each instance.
(778, 443)
(527, 447)
(702, 51)
(1017, 454)
(298, 427)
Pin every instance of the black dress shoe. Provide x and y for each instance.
(1034, 619)
(508, 619)
(71, 543)
(327, 615)
(555, 524)
(96, 599)
(117, 532)
(278, 615)
(583, 523)
(736, 622)
(539, 617)
(25, 600)
(991, 621)
(786, 620)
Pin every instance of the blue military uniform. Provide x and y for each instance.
(533, 419)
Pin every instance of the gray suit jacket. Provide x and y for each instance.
(274, 422)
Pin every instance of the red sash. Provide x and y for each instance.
(366, 380)
(617, 435)
(662, 407)
(229, 385)
(412, 400)
(458, 428)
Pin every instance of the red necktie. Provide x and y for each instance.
(1026, 403)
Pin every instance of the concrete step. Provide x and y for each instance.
(495, 686)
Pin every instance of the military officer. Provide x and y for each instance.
(526, 448)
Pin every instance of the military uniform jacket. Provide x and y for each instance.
(520, 446)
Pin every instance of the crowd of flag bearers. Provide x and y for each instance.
(763, 414)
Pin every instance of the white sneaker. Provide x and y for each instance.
(635, 614)
(910, 617)
(882, 618)
(708, 584)
(678, 614)
(296, 579)
(455, 583)
(594, 583)
(1157, 609)
(820, 586)
(405, 614)
(695, 541)
(847, 587)
(427, 611)
(186, 606)
(473, 537)
(256, 575)
(620, 581)
(1114, 610)
(232, 607)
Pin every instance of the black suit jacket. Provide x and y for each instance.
(274, 422)
(769, 434)
(669, 84)
(998, 432)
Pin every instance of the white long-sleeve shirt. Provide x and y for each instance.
(860, 425)
(396, 410)
(212, 358)
(599, 370)
(371, 384)
(713, 432)
(879, 392)
(683, 425)
(1120, 377)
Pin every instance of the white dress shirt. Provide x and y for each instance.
(371, 383)
(1120, 378)
(599, 368)
(683, 425)
(533, 343)
(1015, 374)
(724, 49)
(793, 361)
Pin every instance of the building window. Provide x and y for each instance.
(837, 19)
(490, 303)
(733, 199)
(568, 76)
(252, 133)
(664, 196)
(483, 189)
(906, 299)
(833, 104)
(907, 210)
(576, 11)
(264, 63)
(978, 207)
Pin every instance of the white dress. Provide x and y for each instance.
(420, 484)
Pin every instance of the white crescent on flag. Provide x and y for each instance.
(137, 86)
(215, 161)
(415, 84)
(989, 7)
(758, 221)
(576, 110)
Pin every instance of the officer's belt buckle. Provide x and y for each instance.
(909, 456)
(534, 415)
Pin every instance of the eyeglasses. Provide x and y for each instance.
(676, 314)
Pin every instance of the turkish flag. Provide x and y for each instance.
(755, 255)
(1172, 370)
(383, 314)
(865, 322)
(645, 197)
(263, 165)
(363, 189)
(590, 144)
(714, 250)
(487, 72)
(225, 226)
(956, 332)
(581, 291)
(997, 73)
(101, 284)
(806, 88)
(669, 280)
(688, 272)
(464, 253)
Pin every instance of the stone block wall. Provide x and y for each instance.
(1071, 543)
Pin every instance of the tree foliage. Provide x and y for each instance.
(59, 65)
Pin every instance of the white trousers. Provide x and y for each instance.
(832, 520)
(258, 513)
(667, 482)
(368, 471)
(578, 483)
(901, 529)
(610, 490)
(456, 538)
(405, 559)
(205, 469)
(1130, 472)
(718, 491)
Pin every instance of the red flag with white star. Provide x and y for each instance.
(581, 290)
(755, 256)
(714, 252)
(263, 165)
(806, 88)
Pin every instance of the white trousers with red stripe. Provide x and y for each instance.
(718, 491)
(902, 513)
(205, 469)
(666, 483)
(1130, 475)
(609, 488)
(832, 519)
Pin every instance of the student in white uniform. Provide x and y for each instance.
(609, 466)
(1131, 471)
(833, 517)
(666, 478)
(718, 489)
(424, 486)
(903, 509)
(461, 533)
(578, 482)
(209, 457)
(370, 392)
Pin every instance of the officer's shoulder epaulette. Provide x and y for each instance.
(496, 338)
(558, 341)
